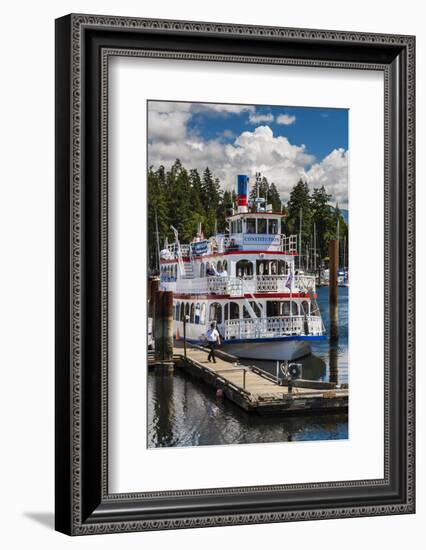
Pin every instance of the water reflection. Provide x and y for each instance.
(184, 412)
(194, 416)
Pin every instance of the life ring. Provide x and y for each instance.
(294, 370)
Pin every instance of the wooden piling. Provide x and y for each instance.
(334, 365)
(167, 325)
(153, 285)
(334, 290)
(158, 325)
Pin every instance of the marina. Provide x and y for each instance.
(239, 332)
(246, 283)
(185, 410)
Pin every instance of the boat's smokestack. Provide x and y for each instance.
(242, 184)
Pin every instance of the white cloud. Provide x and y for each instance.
(286, 119)
(229, 134)
(255, 118)
(167, 126)
(169, 106)
(332, 172)
(222, 108)
(258, 150)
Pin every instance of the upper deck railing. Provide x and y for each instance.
(238, 286)
(222, 244)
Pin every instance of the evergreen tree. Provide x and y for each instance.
(196, 191)
(183, 199)
(157, 214)
(325, 222)
(299, 213)
(211, 199)
(274, 198)
(262, 188)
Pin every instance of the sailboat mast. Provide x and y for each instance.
(158, 240)
(344, 252)
(315, 248)
(300, 237)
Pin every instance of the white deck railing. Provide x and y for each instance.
(273, 327)
(288, 244)
(277, 283)
(237, 286)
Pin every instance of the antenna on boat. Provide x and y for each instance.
(259, 200)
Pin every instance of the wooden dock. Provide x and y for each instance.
(255, 390)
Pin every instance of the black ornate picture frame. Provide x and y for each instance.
(84, 43)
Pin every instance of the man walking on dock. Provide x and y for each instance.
(213, 338)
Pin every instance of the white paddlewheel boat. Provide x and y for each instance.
(246, 283)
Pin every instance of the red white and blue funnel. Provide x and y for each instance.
(242, 184)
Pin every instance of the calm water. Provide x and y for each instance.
(184, 412)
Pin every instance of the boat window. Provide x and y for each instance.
(182, 311)
(225, 265)
(273, 309)
(281, 308)
(187, 309)
(244, 268)
(232, 311)
(203, 314)
(261, 225)
(285, 308)
(251, 226)
(177, 312)
(215, 312)
(202, 269)
(262, 267)
(192, 314)
(282, 267)
(255, 308)
(197, 314)
(239, 226)
(273, 227)
(305, 308)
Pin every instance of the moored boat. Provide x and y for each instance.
(245, 282)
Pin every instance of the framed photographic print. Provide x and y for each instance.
(234, 274)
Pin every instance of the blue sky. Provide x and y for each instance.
(284, 143)
(321, 129)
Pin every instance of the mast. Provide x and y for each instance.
(300, 237)
(338, 239)
(315, 248)
(344, 251)
(158, 240)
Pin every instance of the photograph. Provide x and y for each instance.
(248, 273)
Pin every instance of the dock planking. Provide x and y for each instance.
(253, 390)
